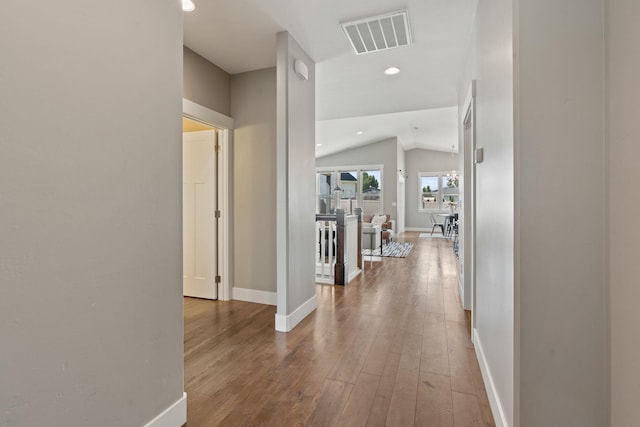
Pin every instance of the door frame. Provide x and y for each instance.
(199, 113)
(469, 211)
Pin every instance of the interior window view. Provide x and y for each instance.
(319, 213)
(438, 191)
(353, 189)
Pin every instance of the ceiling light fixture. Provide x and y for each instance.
(188, 6)
(318, 145)
(392, 71)
(359, 132)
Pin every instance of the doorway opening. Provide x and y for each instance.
(200, 228)
(205, 219)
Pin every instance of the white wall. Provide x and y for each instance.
(90, 212)
(253, 107)
(295, 182)
(492, 55)
(417, 161)
(378, 153)
(560, 147)
(623, 128)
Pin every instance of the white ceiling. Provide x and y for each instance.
(434, 129)
(352, 93)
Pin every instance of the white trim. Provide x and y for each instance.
(494, 399)
(287, 323)
(353, 275)
(467, 235)
(253, 295)
(282, 172)
(348, 168)
(206, 115)
(471, 93)
(225, 139)
(281, 323)
(174, 416)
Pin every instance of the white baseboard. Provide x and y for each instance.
(252, 295)
(174, 416)
(287, 323)
(353, 275)
(494, 399)
(423, 229)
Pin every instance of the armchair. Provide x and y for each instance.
(384, 222)
(371, 238)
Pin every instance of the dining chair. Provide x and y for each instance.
(450, 223)
(436, 224)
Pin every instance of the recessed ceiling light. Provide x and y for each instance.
(188, 5)
(359, 132)
(391, 71)
(318, 145)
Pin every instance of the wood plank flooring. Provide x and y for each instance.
(392, 348)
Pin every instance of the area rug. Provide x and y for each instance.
(434, 236)
(392, 249)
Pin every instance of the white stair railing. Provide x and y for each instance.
(338, 246)
(325, 248)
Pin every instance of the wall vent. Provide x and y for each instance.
(379, 32)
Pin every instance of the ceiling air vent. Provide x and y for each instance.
(379, 32)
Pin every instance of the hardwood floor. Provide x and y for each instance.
(392, 348)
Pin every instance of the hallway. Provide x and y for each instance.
(392, 348)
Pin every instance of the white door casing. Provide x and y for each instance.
(199, 204)
(469, 210)
(224, 124)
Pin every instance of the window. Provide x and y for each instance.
(371, 192)
(437, 190)
(360, 187)
(324, 191)
(349, 194)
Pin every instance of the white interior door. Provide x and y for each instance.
(198, 219)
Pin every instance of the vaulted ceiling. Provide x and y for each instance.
(352, 92)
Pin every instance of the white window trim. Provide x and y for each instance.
(440, 175)
(359, 169)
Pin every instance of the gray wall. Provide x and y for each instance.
(253, 107)
(623, 127)
(492, 53)
(206, 83)
(379, 153)
(561, 277)
(295, 178)
(90, 212)
(417, 161)
(540, 312)
(401, 191)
